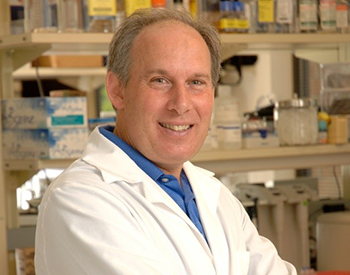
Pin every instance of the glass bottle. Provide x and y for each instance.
(101, 15)
(242, 23)
(227, 22)
(250, 13)
(40, 16)
(70, 16)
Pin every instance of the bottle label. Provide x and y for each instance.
(227, 24)
(266, 11)
(102, 7)
(308, 15)
(242, 24)
(284, 12)
(133, 5)
(328, 14)
(342, 16)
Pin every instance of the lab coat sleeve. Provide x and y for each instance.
(264, 259)
(75, 237)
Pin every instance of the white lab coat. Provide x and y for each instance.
(104, 215)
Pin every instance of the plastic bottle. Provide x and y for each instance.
(227, 22)
(250, 13)
(227, 120)
(327, 9)
(308, 16)
(70, 16)
(265, 16)
(159, 3)
(40, 16)
(342, 16)
(285, 16)
(101, 15)
(242, 23)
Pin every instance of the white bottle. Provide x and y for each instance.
(327, 9)
(250, 13)
(227, 119)
(342, 16)
(285, 16)
(308, 21)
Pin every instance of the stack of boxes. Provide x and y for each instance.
(44, 127)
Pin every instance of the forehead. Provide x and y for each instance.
(166, 31)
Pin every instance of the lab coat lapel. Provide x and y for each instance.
(207, 193)
(115, 165)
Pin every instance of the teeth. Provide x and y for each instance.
(176, 127)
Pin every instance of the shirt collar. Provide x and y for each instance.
(145, 164)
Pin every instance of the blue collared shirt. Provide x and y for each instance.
(182, 195)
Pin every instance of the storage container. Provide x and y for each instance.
(297, 122)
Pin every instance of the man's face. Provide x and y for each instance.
(168, 100)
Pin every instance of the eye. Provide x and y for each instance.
(196, 82)
(159, 80)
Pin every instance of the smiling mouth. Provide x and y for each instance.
(176, 128)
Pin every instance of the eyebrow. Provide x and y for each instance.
(165, 72)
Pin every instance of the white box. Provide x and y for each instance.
(58, 143)
(255, 140)
(44, 112)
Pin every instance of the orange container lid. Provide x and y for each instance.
(158, 3)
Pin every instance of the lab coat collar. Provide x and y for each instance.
(115, 165)
(101, 153)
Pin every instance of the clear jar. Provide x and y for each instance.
(296, 121)
(40, 16)
(70, 16)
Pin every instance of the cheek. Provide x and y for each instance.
(205, 108)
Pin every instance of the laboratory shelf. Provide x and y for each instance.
(27, 72)
(97, 43)
(273, 158)
(235, 160)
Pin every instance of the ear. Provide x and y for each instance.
(115, 90)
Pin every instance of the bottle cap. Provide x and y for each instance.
(158, 3)
(226, 5)
(237, 6)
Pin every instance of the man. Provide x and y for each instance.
(134, 204)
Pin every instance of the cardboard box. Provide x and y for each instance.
(60, 143)
(44, 112)
(69, 61)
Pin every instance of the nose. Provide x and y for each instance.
(179, 99)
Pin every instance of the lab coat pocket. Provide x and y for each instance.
(240, 264)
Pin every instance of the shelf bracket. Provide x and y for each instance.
(14, 58)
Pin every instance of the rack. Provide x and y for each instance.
(17, 50)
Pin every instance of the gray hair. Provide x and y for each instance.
(119, 59)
